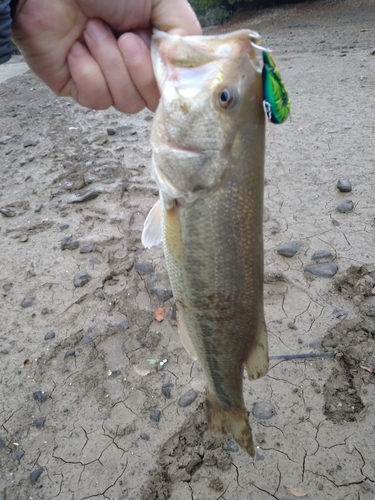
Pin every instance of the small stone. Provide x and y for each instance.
(187, 398)
(163, 293)
(344, 185)
(4, 351)
(64, 227)
(153, 278)
(111, 131)
(232, 446)
(155, 415)
(7, 286)
(144, 436)
(39, 422)
(144, 267)
(38, 209)
(323, 269)
(29, 143)
(81, 279)
(167, 390)
(65, 241)
(87, 248)
(45, 311)
(7, 213)
(345, 206)
(73, 245)
(69, 353)
(39, 396)
(289, 248)
(24, 238)
(5, 138)
(124, 325)
(49, 335)
(91, 194)
(86, 339)
(116, 373)
(35, 475)
(17, 454)
(339, 313)
(263, 410)
(322, 254)
(28, 301)
(94, 261)
(2, 444)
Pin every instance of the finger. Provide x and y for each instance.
(137, 58)
(104, 48)
(87, 84)
(175, 16)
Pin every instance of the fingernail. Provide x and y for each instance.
(96, 30)
(134, 48)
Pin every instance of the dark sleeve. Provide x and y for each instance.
(5, 31)
(7, 11)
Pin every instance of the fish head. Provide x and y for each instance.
(211, 99)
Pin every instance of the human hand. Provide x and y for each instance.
(71, 45)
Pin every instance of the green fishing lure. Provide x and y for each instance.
(276, 99)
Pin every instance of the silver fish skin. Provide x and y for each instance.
(208, 141)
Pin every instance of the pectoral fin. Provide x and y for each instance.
(185, 338)
(152, 230)
(257, 362)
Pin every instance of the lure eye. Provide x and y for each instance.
(226, 98)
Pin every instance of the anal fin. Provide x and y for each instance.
(257, 362)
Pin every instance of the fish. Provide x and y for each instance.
(208, 148)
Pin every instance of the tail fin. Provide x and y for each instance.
(223, 421)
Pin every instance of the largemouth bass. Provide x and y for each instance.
(208, 141)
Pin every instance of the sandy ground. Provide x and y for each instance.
(91, 383)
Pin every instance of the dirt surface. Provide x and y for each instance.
(91, 382)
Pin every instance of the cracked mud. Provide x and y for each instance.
(91, 381)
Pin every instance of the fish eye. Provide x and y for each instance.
(226, 98)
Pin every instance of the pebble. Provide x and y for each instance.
(87, 248)
(167, 390)
(64, 227)
(153, 278)
(124, 325)
(5, 138)
(28, 301)
(38, 209)
(17, 454)
(323, 269)
(2, 444)
(81, 279)
(111, 131)
(86, 339)
(345, 206)
(69, 353)
(322, 254)
(7, 213)
(94, 261)
(155, 415)
(263, 410)
(116, 373)
(187, 398)
(91, 194)
(49, 335)
(24, 238)
(45, 311)
(7, 286)
(29, 143)
(144, 267)
(163, 293)
(144, 436)
(73, 245)
(65, 241)
(39, 422)
(231, 446)
(344, 185)
(35, 475)
(39, 396)
(289, 248)
(339, 313)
